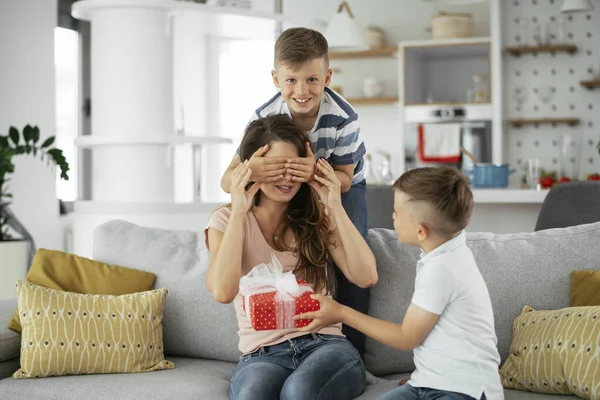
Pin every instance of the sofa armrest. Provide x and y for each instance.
(10, 341)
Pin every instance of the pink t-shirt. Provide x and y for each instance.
(256, 251)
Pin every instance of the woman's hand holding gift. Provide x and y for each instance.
(327, 185)
(242, 199)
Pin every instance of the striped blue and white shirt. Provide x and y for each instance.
(336, 134)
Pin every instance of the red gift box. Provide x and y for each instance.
(266, 312)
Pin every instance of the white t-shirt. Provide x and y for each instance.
(460, 354)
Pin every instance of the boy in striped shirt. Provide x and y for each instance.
(303, 75)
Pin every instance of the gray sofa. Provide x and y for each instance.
(200, 334)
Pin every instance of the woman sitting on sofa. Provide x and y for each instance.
(303, 224)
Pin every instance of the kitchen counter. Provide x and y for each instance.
(502, 210)
(509, 196)
(490, 196)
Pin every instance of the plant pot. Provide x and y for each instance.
(14, 255)
(490, 175)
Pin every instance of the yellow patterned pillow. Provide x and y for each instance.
(555, 352)
(71, 273)
(67, 333)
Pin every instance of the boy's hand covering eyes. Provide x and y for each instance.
(266, 169)
(302, 169)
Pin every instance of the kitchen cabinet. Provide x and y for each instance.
(442, 72)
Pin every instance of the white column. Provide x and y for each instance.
(190, 58)
(132, 97)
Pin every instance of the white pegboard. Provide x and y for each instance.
(562, 72)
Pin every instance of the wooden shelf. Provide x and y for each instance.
(517, 123)
(555, 48)
(379, 52)
(372, 101)
(594, 84)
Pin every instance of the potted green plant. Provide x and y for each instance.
(14, 250)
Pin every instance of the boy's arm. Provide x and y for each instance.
(409, 334)
(345, 173)
(264, 169)
(226, 178)
(434, 289)
(349, 149)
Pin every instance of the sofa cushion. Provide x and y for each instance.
(192, 379)
(555, 352)
(194, 324)
(532, 269)
(390, 297)
(66, 333)
(390, 382)
(519, 269)
(68, 272)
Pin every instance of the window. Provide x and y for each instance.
(66, 62)
(240, 81)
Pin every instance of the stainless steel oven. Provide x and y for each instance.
(475, 128)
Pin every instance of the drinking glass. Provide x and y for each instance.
(534, 168)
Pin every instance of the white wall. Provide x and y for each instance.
(27, 97)
(402, 20)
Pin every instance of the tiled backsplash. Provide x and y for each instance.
(560, 74)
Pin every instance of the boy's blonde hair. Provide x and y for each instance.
(447, 194)
(295, 46)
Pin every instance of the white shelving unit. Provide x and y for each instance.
(218, 21)
(86, 9)
(436, 74)
(93, 141)
(442, 69)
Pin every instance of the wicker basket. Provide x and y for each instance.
(452, 25)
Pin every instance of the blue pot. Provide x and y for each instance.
(490, 175)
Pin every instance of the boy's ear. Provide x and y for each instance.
(422, 232)
(328, 77)
(275, 78)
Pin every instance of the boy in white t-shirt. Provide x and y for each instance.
(449, 323)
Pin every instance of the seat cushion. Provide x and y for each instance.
(10, 342)
(192, 379)
(388, 383)
(380, 385)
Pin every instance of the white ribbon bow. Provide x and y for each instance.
(265, 278)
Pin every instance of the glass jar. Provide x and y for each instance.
(370, 176)
(385, 171)
(481, 89)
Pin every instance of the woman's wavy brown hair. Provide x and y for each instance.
(305, 214)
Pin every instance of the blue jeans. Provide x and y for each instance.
(313, 366)
(407, 392)
(347, 293)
